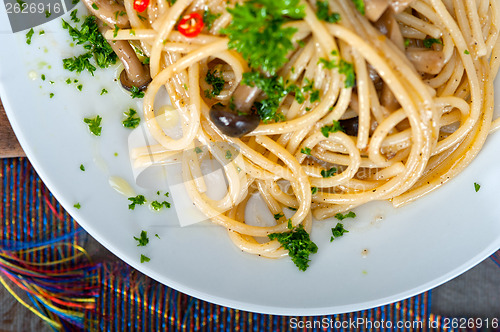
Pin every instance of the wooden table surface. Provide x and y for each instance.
(9, 146)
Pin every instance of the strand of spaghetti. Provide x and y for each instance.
(166, 27)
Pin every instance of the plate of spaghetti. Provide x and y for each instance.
(297, 157)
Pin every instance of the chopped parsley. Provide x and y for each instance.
(314, 96)
(360, 6)
(306, 150)
(143, 239)
(95, 6)
(73, 16)
(157, 235)
(198, 149)
(229, 155)
(343, 66)
(145, 258)
(94, 125)
(77, 206)
(97, 48)
(338, 231)
(216, 81)
(29, 35)
(103, 91)
(274, 88)
(136, 93)
(209, 18)
(314, 190)
(341, 216)
(407, 42)
(132, 120)
(428, 42)
(326, 130)
(43, 77)
(328, 173)
(256, 31)
(292, 208)
(47, 14)
(323, 12)
(289, 224)
(115, 30)
(155, 205)
(277, 216)
(51, 95)
(466, 52)
(477, 186)
(298, 244)
(82, 168)
(74, 2)
(79, 87)
(139, 200)
(42, 32)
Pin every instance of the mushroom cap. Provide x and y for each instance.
(232, 124)
(127, 84)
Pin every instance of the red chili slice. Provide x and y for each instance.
(191, 25)
(141, 5)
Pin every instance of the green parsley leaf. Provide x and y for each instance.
(277, 216)
(95, 6)
(347, 69)
(79, 63)
(323, 12)
(306, 150)
(29, 35)
(132, 120)
(43, 77)
(51, 95)
(328, 173)
(82, 168)
(466, 52)
(143, 239)
(428, 42)
(145, 258)
(115, 30)
(314, 96)
(103, 91)
(360, 6)
(341, 216)
(407, 42)
(139, 200)
(94, 125)
(256, 31)
(229, 155)
(171, 2)
(47, 14)
(298, 244)
(198, 149)
(136, 93)
(157, 235)
(155, 205)
(338, 231)
(79, 87)
(41, 32)
(216, 81)
(314, 190)
(77, 206)
(326, 130)
(209, 18)
(289, 224)
(73, 16)
(74, 2)
(292, 208)
(477, 186)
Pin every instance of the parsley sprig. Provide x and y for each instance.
(298, 244)
(132, 120)
(94, 125)
(93, 42)
(256, 31)
(143, 239)
(214, 78)
(137, 200)
(323, 12)
(326, 130)
(338, 231)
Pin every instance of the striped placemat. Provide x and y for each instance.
(44, 264)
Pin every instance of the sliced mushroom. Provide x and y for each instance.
(241, 118)
(426, 61)
(389, 26)
(108, 11)
(134, 74)
(375, 8)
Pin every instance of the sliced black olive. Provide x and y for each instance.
(350, 126)
(232, 124)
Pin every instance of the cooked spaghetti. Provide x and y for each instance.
(345, 101)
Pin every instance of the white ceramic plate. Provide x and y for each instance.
(409, 250)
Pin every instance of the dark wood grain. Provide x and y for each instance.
(9, 146)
